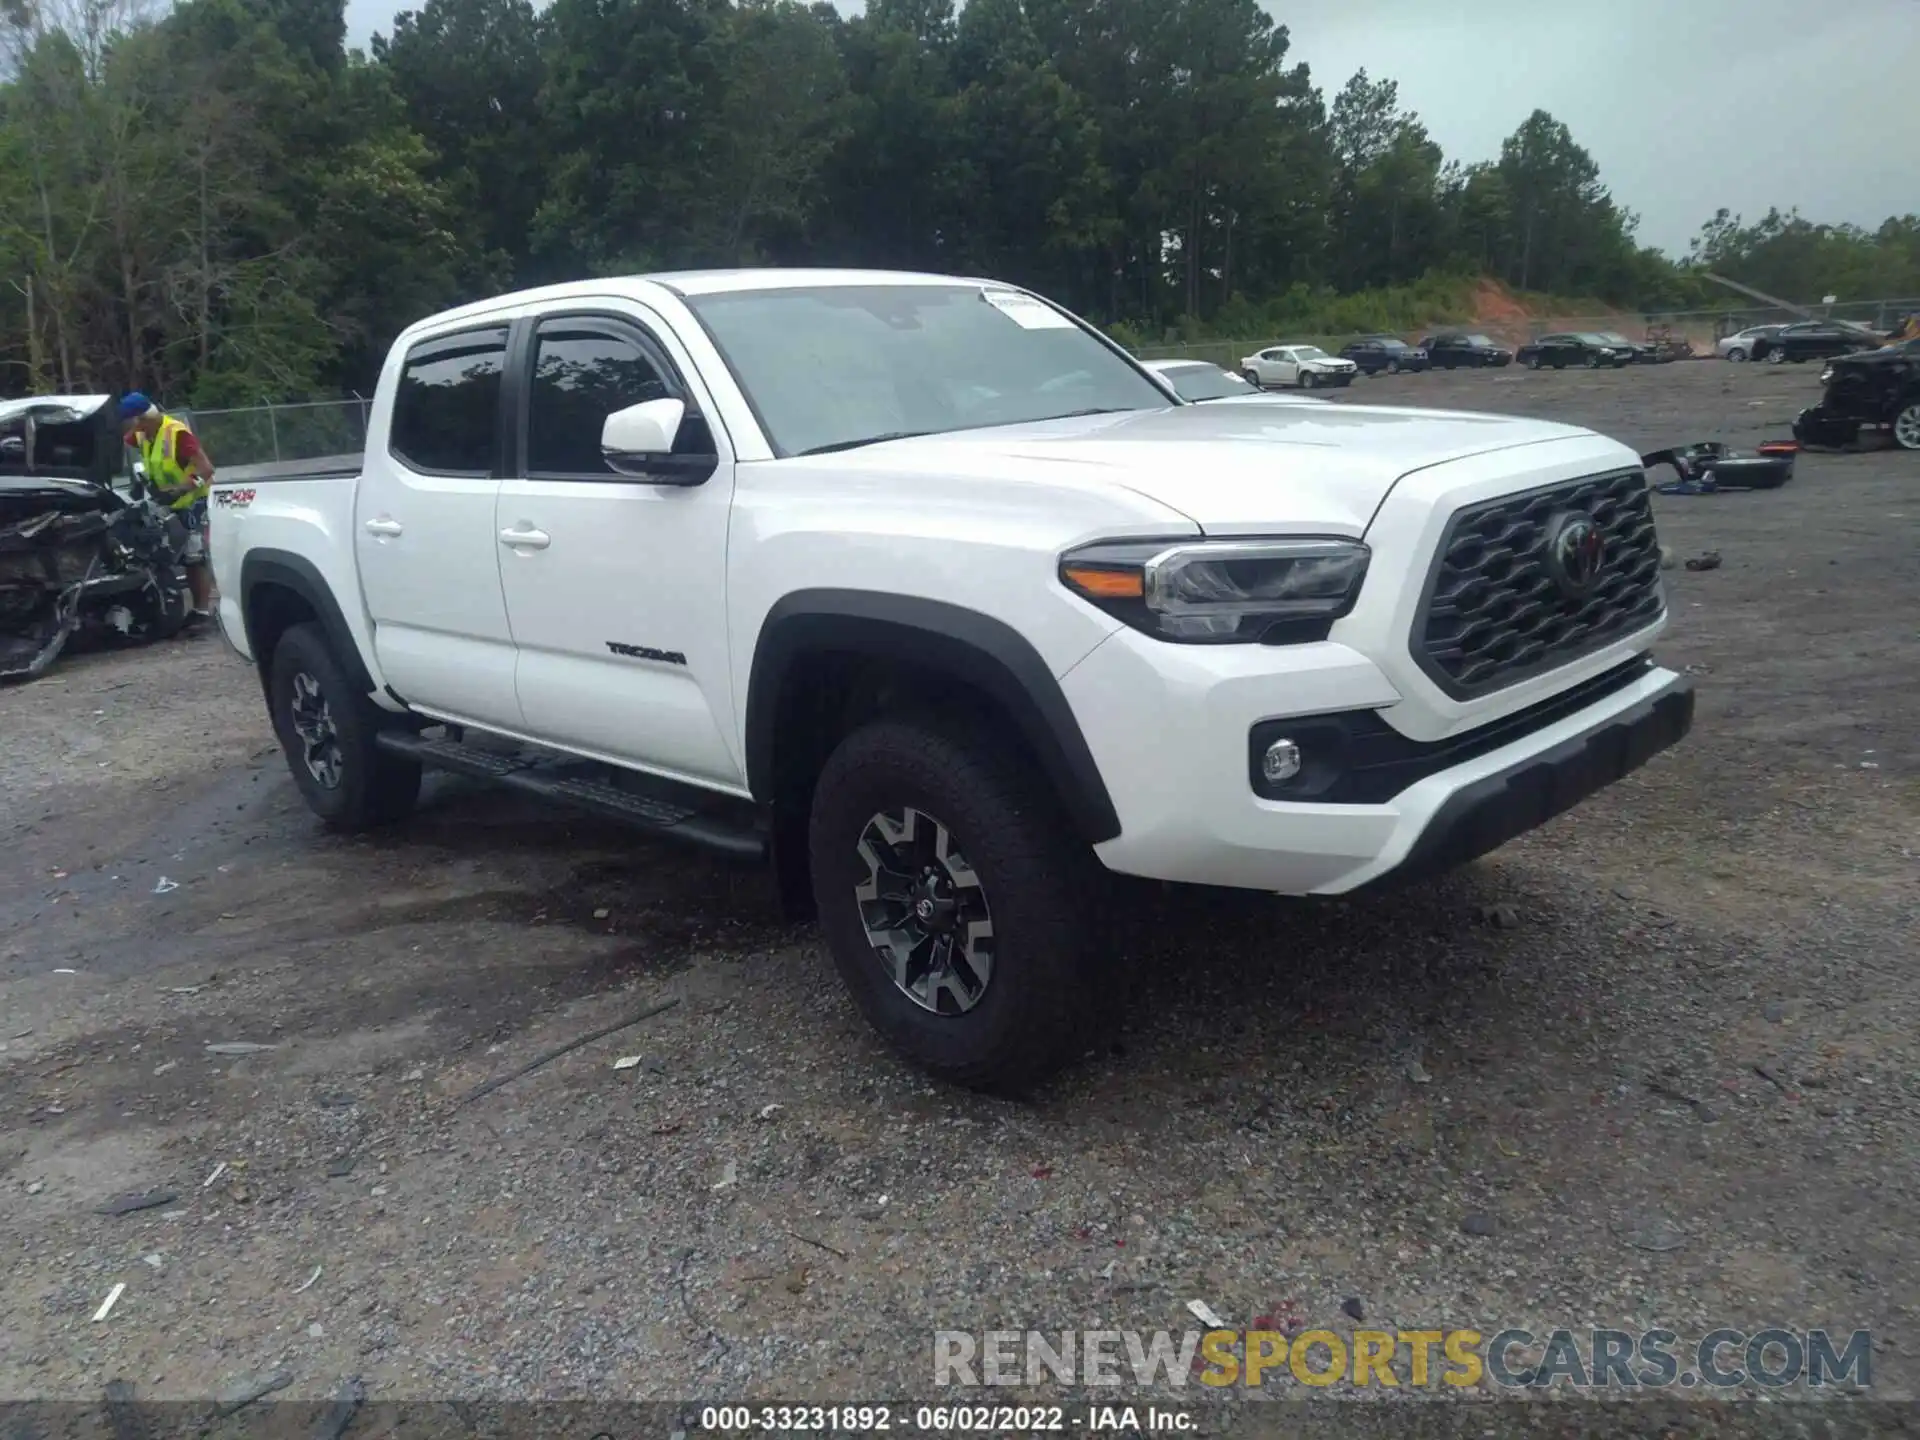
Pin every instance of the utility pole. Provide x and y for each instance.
(1777, 303)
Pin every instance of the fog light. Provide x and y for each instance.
(1281, 762)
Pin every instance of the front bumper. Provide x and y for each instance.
(1169, 727)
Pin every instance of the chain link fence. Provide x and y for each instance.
(276, 434)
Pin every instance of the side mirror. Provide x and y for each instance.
(638, 441)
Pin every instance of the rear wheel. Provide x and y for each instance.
(1251, 377)
(1393, 367)
(1533, 362)
(1906, 425)
(327, 731)
(956, 900)
(1594, 362)
(1737, 355)
(1776, 356)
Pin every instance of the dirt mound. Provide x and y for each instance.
(1493, 304)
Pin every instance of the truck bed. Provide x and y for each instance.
(321, 467)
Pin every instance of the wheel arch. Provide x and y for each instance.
(984, 655)
(278, 590)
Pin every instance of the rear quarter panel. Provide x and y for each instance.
(311, 519)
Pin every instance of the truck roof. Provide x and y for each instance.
(695, 282)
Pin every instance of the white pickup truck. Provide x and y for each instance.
(926, 592)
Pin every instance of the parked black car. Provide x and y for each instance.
(1809, 340)
(1560, 351)
(77, 557)
(1644, 352)
(1385, 354)
(1454, 348)
(1873, 388)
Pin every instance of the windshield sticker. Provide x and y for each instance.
(1025, 311)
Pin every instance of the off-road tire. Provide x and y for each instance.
(375, 787)
(1042, 883)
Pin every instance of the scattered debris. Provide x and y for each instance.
(1417, 1073)
(488, 1087)
(165, 886)
(155, 1260)
(183, 989)
(817, 1244)
(237, 1047)
(340, 1167)
(767, 1112)
(1500, 917)
(1775, 1013)
(218, 1171)
(347, 1401)
(130, 1204)
(1706, 560)
(1204, 1313)
(796, 1281)
(729, 1176)
(1767, 1074)
(1352, 1308)
(1479, 1224)
(601, 914)
(336, 1100)
(302, 1289)
(417, 1073)
(1658, 1235)
(249, 1388)
(64, 971)
(627, 1062)
(162, 1069)
(1107, 1272)
(34, 1187)
(113, 1298)
(1043, 1172)
(316, 1331)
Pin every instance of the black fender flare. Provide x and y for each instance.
(300, 575)
(984, 653)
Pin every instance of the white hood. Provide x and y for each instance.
(1235, 467)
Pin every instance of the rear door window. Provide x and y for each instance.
(446, 409)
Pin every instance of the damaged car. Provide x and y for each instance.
(1873, 389)
(78, 558)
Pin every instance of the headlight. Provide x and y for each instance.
(1202, 592)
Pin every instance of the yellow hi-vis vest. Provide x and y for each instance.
(175, 485)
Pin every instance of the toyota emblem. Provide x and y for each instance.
(1576, 551)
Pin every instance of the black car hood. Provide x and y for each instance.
(1872, 359)
(61, 437)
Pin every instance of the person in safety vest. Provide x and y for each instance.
(179, 475)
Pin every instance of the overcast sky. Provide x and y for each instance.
(1687, 105)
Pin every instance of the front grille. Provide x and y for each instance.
(1494, 613)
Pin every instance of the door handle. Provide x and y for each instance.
(527, 539)
(383, 526)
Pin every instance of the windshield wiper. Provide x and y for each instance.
(868, 440)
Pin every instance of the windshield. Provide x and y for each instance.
(1391, 344)
(1205, 382)
(1594, 337)
(1614, 337)
(1310, 352)
(832, 367)
(1480, 340)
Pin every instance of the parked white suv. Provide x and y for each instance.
(928, 593)
(1304, 365)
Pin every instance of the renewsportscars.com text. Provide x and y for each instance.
(1722, 1359)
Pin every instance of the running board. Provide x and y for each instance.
(681, 812)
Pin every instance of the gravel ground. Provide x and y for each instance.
(1663, 1051)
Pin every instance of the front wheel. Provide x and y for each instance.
(1906, 426)
(1776, 356)
(1737, 356)
(327, 731)
(1594, 362)
(1306, 380)
(956, 900)
(1533, 362)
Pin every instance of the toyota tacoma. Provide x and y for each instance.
(925, 592)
